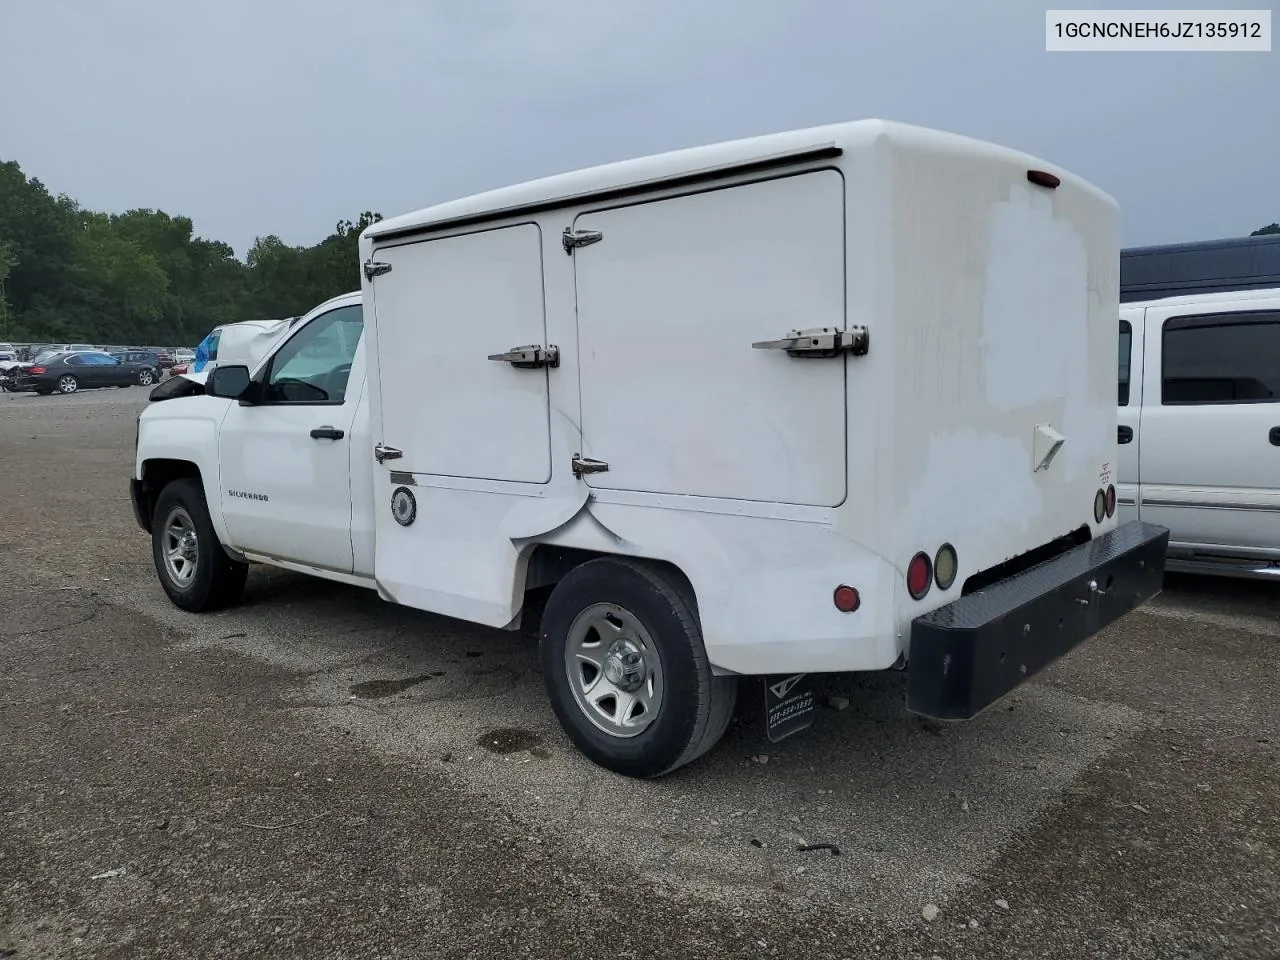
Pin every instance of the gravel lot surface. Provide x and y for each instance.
(317, 773)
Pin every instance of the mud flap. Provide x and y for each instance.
(789, 705)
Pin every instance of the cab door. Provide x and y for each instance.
(1210, 450)
(1129, 415)
(286, 460)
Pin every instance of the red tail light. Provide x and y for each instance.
(846, 598)
(37, 370)
(919, 576)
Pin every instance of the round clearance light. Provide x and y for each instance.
(1099, 506)
(1111, 501)
(945, 565)
(919, 576)
(846, 599)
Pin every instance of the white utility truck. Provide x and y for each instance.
(839, 399)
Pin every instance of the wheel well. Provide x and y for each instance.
(547, 565)
(158, 474)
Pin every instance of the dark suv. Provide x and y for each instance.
(145, 357)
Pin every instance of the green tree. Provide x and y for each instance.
(144, 276)
(1269, 229)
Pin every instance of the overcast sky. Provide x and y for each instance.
(284, 116)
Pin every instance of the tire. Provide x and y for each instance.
(145, 378)
(68, 384)
(203, 578)
(649, 618)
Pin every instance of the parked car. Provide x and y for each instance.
(80, 370)
(1199, 427)
(8, 351)
(145, 357)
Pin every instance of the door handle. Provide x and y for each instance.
(326, 433)
(1274, 436)
(531, 356)
(1124, 434)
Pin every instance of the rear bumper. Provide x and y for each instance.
(967, 655)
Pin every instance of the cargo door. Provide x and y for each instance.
(444, 309)
(671, 298)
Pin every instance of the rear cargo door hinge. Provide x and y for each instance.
(382, 452)
(375, 268)
(572, 239)
(819, 342)
(583, 465)
(534, 355)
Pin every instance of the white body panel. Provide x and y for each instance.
(457, 413)
(766, 479)
(1204, 463)
(673, 398)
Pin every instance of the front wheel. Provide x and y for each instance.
(194, 570)
(68, 384)
(626, 670)
(145, 378)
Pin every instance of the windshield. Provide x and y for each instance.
(45, 355)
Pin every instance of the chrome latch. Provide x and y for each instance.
(572, 239)
(819, 342)
(382, 452)
(375, 268)
(583, 465)
(533, 355)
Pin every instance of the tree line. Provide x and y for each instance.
(143, 277)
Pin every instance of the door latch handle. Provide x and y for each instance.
(327, 433)
(1124, 434)
(382, 452)
(533, 355)
(819, 342)
(1274, 436)
(583, 465)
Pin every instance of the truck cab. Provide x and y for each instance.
(830, 400)
(1199, 427)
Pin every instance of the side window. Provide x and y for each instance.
(1126, 352)
(1222, 358)
(313, 366)
(213, 346)
(76, 360)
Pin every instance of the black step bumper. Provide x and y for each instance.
(967, 655)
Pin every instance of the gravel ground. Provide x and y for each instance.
(318, 773)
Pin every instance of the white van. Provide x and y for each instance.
(831, 400)
(1199, 427)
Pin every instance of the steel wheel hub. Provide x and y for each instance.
(614, 670)
(624, 666)
(181, 547)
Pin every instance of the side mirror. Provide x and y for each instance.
(231, 382)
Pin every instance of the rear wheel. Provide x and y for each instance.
(68, 384)
(626, 670)
(145, 378)
(194, 570)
